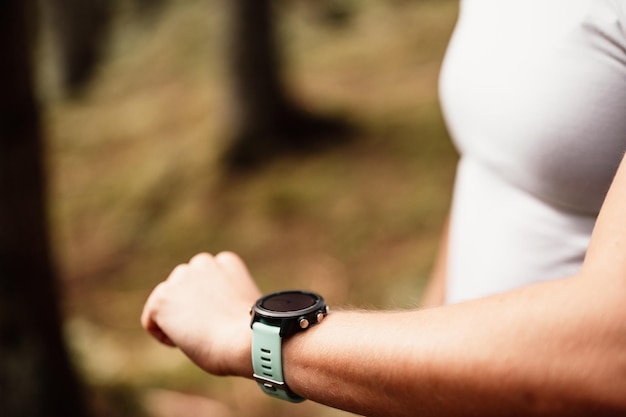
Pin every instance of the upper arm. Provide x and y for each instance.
(606, 256)
(435, 292)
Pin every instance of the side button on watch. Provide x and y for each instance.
(275, 317)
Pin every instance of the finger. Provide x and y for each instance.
(178, 273)
(148, 314)
(237, 270)
(232, 264)
(149, 323)
(159, 334)
(148, 308)
(202, 260)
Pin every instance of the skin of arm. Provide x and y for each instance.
(556, 348)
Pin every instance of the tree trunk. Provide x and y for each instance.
(36, 376)
(80, 28)
(267, 122)
(254, 64)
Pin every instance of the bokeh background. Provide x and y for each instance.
(138, 182)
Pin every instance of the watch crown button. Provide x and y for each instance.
(320, 317)
(304, 323)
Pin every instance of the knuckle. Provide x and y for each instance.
(178, 273)
(227, 256)
(202, 257)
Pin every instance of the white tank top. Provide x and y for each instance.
(534, 95)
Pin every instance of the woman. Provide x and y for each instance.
(534, 94)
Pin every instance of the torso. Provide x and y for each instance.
(534, 94)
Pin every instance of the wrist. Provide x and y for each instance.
(277, 317)
(242, 362)
(229, 357)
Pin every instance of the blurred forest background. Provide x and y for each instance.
(324, 162)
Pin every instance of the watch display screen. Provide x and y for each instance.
(286, 302)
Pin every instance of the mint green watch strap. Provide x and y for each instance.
(267, 362)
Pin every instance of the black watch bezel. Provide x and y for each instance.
(290, 322)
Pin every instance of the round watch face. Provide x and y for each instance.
(286, 304)
(289, 301)
(291, 311)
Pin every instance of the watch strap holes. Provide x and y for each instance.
(267, 366)
(269, 352)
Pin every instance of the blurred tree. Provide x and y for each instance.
(267, 121)
(80, 28)
(334, 14)
(36, 376)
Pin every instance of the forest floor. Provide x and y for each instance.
(137, 186)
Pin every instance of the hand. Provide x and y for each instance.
(203, 309)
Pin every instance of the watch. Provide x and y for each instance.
(275, 317)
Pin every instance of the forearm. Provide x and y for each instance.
(556, 348)
(543, 350)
